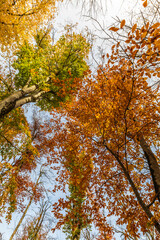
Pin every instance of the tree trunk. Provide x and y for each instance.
(153, 165)
(21, 219)
(25, 211)
(10, 102)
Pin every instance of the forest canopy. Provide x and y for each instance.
(89, 154)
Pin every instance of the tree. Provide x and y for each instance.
(42, 70)
(19, 161)
(74, 166)
(45, 72)
(79, 170)
(112, 124)
(115, 118)
(27, 207)
(32, 178)
(19, 17)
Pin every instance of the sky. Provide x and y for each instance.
(72, 14)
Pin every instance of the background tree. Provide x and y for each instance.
(18, 169)
(43, 70)
(79, 209)
(18, 159)
(30, 190)
(35, 228)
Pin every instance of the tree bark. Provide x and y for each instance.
(11, 102)
(39, 223)
(153, 165)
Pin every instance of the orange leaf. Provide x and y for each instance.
(113, 46)
(127, 41)
(122, 23)
(144, 35)
(156, 25)
(134, 28)
(157, 43)
(147, 25)
(145, 4)
(114, 29)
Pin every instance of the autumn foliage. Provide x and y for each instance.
(19, 20)
(34, 70)
(111, 129)
(102, 137)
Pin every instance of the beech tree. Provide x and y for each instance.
(114, 119)
(17, 166)
(45, 71)
(40, 69)
(72, 162)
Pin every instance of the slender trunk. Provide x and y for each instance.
(25, 211)
(76, 231)
(141, 202)
(21, 219)
(38, 226)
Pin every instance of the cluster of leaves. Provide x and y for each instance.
(54, 69)
(20, 151)
(19, 19)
